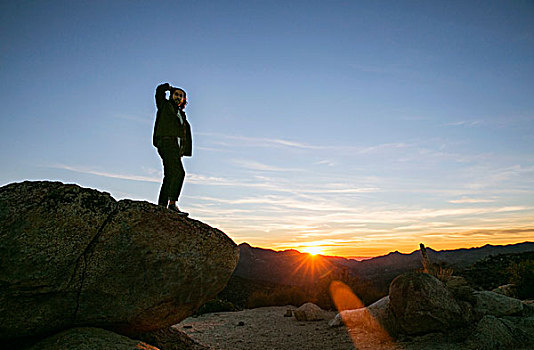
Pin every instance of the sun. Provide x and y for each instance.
(312, 250)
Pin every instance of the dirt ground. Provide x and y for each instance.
(267, 328)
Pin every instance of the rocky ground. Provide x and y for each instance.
(267, 328)
(264, 328)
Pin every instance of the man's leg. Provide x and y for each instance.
(178, 179)
(166, 156)
(176, 185)
(173, 175)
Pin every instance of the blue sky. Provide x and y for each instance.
(361, 127)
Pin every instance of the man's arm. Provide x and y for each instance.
(160, 94)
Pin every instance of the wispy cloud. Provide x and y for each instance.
(254, 165)
(383, 147)
(87, 170)
(326, 162)
(262, 141)
(270, 142)
(471, 200)
(464, 123)
(488, 232)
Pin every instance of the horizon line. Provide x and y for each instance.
(361, 258)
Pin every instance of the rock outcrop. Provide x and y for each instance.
(445, 315)
(497, 333)
(495, 304)
(170, 338)
(75, 257)
(422, 304)
(88, 338)
(377, 317)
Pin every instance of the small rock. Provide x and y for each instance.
(288, 313)
(241, 323)
(336, 321)
(510, 290)
(528, 308)
(460, 288)
(309, 312)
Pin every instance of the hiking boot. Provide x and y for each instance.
(174, 208)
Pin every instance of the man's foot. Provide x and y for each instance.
(174, 208)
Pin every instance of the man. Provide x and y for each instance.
(172, 138)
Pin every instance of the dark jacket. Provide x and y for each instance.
(168, 125)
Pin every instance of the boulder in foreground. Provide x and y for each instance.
(88, 338)
(422, 304)
(74, 257)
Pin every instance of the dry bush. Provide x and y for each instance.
(440, 272)
(279, 296)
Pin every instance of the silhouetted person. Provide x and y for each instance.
(172, 138)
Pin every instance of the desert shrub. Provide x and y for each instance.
(494, 271)
(279, 296)
(317, 292)
(367, 292)
(522, 275)
(216, 305)
(364, 290)
(439, 271)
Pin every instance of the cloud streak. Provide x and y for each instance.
(254, 165)
(262, 141)
(90, 171)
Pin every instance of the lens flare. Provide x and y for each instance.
(362, 327)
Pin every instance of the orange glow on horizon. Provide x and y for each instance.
(311, 268)
(312, 250)
(373, 248)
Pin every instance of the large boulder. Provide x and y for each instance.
(493, 333)
(460, 288)
(171, 338)
(422, 304)
(72, 256)
(88, 338)
(495, 304)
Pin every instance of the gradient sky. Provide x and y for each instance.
(361, 127)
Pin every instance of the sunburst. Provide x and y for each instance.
(313, 250)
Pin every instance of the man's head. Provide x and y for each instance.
(178, 96)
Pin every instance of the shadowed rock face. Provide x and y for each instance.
(90, 339)
(72, 256)
(422, 304)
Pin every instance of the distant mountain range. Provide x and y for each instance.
(290, 267)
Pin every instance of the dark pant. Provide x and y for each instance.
(173, 171)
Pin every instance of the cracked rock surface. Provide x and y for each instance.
(72, 256)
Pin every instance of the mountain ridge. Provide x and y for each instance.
(289, 266)
(429, 249)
